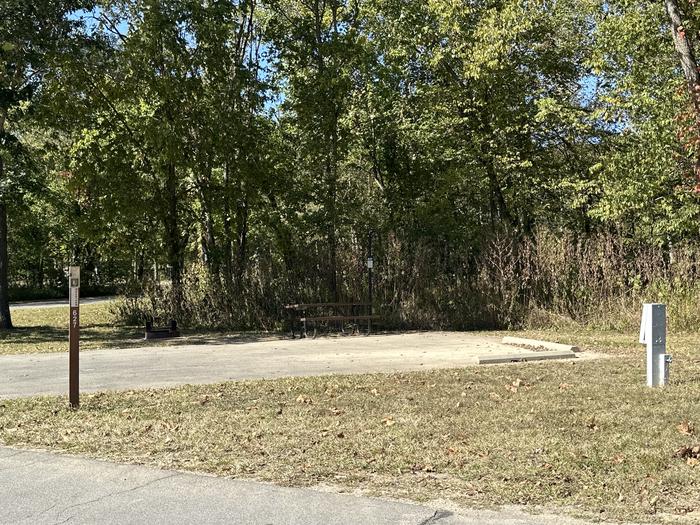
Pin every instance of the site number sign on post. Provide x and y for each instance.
(74, 336)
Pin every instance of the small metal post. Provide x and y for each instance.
(652, 333)
(74, 337)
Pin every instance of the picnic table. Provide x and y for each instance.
(305, 313)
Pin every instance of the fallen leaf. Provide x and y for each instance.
(515, 385)
(618, 459)
(389, 421)
(682, 452)
(686, 452)
(685, 427)
(303, 399)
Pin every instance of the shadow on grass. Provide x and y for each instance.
(110, 336)
(37, 335)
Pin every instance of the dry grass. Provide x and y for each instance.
(588, 436)
(46, 330)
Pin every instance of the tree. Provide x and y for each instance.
(685, 44)
(32, 34)
(170, 141)
(316, 45)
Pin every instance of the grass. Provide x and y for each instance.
(44, 330)
(586, 436)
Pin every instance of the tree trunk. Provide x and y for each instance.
(208, 238)
(242, 236)
(684, 47)
(330, 139)
(496, 198)
(497, 201)
(5, 318)
(333, 183)
(40, 272)
(332, 222)
(173, 239)
(228, 240)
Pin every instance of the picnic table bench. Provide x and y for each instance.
(328, 312)
(162, 333)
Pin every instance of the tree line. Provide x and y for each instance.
(214, 159)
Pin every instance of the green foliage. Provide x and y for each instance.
(242, 150)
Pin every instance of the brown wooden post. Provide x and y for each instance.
(74, 336)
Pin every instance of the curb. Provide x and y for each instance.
(525, 357)
(536, 343)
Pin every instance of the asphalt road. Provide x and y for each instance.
(119, 369)
(40, 488)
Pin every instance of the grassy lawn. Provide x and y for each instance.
(42, 330)
(46, 330)
(587, 436)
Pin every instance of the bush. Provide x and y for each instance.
(549, 279)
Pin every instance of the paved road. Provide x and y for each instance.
(117, 369)
(43, 488)
(57, 303)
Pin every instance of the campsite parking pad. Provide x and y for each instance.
(121, 369)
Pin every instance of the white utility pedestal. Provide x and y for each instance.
(652, 333)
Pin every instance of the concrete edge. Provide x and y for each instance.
(525, 357)
(536, 343)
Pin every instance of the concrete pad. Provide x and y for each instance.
(165, 366)
(536, 343)
(522, 357)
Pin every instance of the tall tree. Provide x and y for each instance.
(316, 45)
(31, 35)
(174, 140)
(685, 41)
